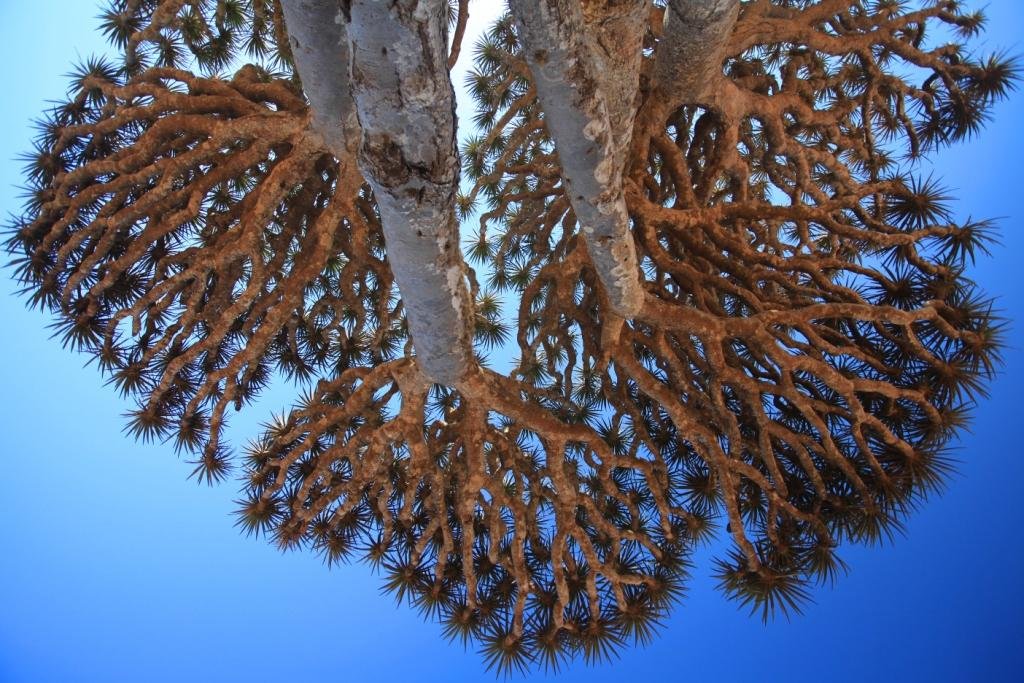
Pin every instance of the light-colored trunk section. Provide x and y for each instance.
(317, 33)
(406, 109)
(689, 58)
(587, 92)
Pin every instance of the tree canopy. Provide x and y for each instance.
(738, 307)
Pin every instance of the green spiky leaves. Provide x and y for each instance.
(207, 34)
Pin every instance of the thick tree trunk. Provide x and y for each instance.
(585, 58)
(405, 105)
(317, 31)
(689, 59)
(587, 85)
(407, 111)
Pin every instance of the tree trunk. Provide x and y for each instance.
(587, 86)
(317, 32)
(405, 106)
(585, 59)
(689, 59)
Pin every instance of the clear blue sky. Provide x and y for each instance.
(113, 567)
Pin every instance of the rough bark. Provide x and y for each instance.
(319, 45)
(577, 85)
(690, 57)
(406, 110)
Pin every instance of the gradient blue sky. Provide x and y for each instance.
(113, 567)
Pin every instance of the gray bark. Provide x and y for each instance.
(587, 85)
(406, 109)
(376, 73)
(377, 81)
(689, 58)
(317, 33)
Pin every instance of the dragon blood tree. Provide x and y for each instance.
(737, 304)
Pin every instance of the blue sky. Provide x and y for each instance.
(113, 567)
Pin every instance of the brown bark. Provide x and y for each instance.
(776, 377)
(689, 59)
(460, 32)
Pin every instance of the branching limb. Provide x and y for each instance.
(462, 18)
(808, 342)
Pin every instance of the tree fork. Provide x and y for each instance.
(405, 105)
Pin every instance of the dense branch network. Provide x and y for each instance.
(737, 301)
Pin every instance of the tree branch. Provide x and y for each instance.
(405, 104)
(460, 32)
(317, 36)
(689, 58)
(579, 73)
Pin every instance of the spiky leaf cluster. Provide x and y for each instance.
(534, 538)
(809, 345)
(212, 35)
(811, 340)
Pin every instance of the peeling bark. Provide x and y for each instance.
(319, 45)
(406, 108)
(587, 89)
(398, 113)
